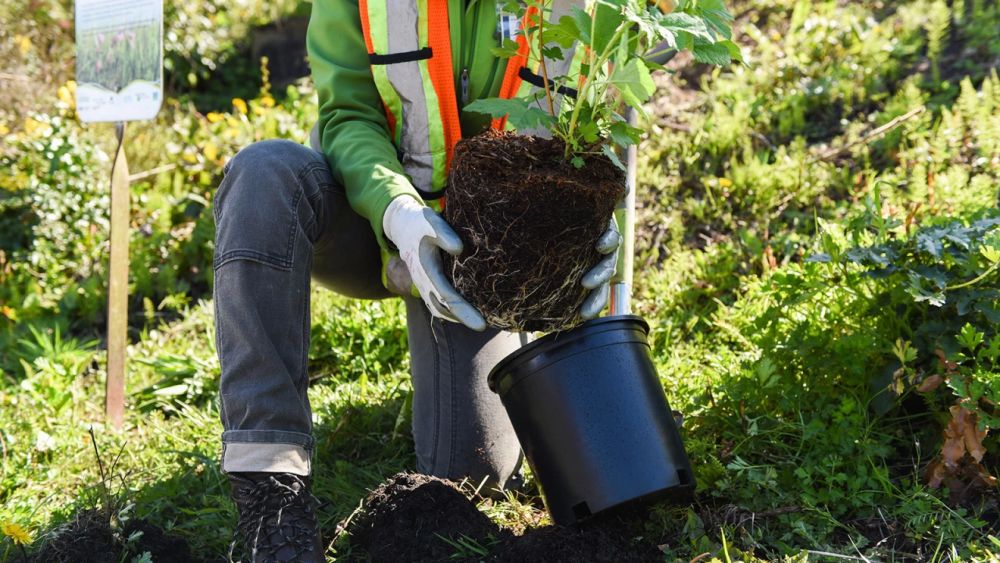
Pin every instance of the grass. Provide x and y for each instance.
(758, 186)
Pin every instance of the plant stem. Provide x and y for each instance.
(104, 478)
(591, 78)
(976, 279)
(541, 57)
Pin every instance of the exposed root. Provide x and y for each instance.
(529, 221)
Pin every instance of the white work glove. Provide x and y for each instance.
(420, 234)
(598, 278)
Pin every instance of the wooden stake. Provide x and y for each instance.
(118, 286)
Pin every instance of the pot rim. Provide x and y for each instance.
(561, 338)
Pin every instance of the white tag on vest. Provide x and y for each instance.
(508, 24)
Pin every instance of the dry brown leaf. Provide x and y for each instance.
(953, 448)
(930, 383)
(958, 467)
(974, 439)
(935, 473)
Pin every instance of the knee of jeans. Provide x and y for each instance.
(263, 162)
(257, 208)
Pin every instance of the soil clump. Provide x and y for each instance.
(407, 517)
(89, 537)
(529, 220)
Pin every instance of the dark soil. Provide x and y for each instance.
(529, 221)
(89, 538)
(601, 541)
(406, 518)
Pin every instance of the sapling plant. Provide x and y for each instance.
(530, 206)
(614, 44)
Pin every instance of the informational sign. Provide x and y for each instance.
(119, 59)
(119, 76)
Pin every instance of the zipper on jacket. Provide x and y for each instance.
(470, 55)
(465, 86)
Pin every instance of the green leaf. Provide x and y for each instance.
(991, 253)
(577, 162)
(634, 81)
(612, 156)
(715, 15)
(970, 338)
(564, 33)
(712, 53)
(735, 52)
(520, 113)
(679, 21)
(582, 20)
(624, 134)
(507, 50)
(589, 132)
(512, 6)
(608, 18)
(553, 53)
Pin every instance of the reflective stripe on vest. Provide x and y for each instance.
(409, 49)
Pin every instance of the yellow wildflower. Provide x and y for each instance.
(4, 129)
(31, 125)
(214, 117)
(725, 182)
(16, 533)
(240, 105)
(267, 101)
(67, 93)
(9, 313)
(211, 152)
(23, 43)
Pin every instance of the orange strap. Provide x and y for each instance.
(440, 69)
(511, 77)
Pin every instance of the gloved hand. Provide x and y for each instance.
(420, 234)
(598, 278)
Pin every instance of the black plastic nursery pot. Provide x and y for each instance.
(592, 419)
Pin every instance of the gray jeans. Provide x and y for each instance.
(282, 219)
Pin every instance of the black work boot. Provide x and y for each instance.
(277, 521)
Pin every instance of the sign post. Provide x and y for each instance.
(119, 75)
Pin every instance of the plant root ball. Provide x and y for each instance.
(529, 221)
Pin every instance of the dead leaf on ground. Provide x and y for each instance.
(958, 467)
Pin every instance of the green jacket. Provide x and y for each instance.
(352, 125)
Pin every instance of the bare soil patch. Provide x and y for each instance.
(410, 517)
(89, 537)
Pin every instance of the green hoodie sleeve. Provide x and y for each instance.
(353, 130)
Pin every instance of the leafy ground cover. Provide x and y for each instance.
(818, 260)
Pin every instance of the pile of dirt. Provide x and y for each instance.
(529, 221)
(88, 537)
(413, 517)
(410, 517)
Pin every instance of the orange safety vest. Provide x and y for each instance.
(409, 49)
